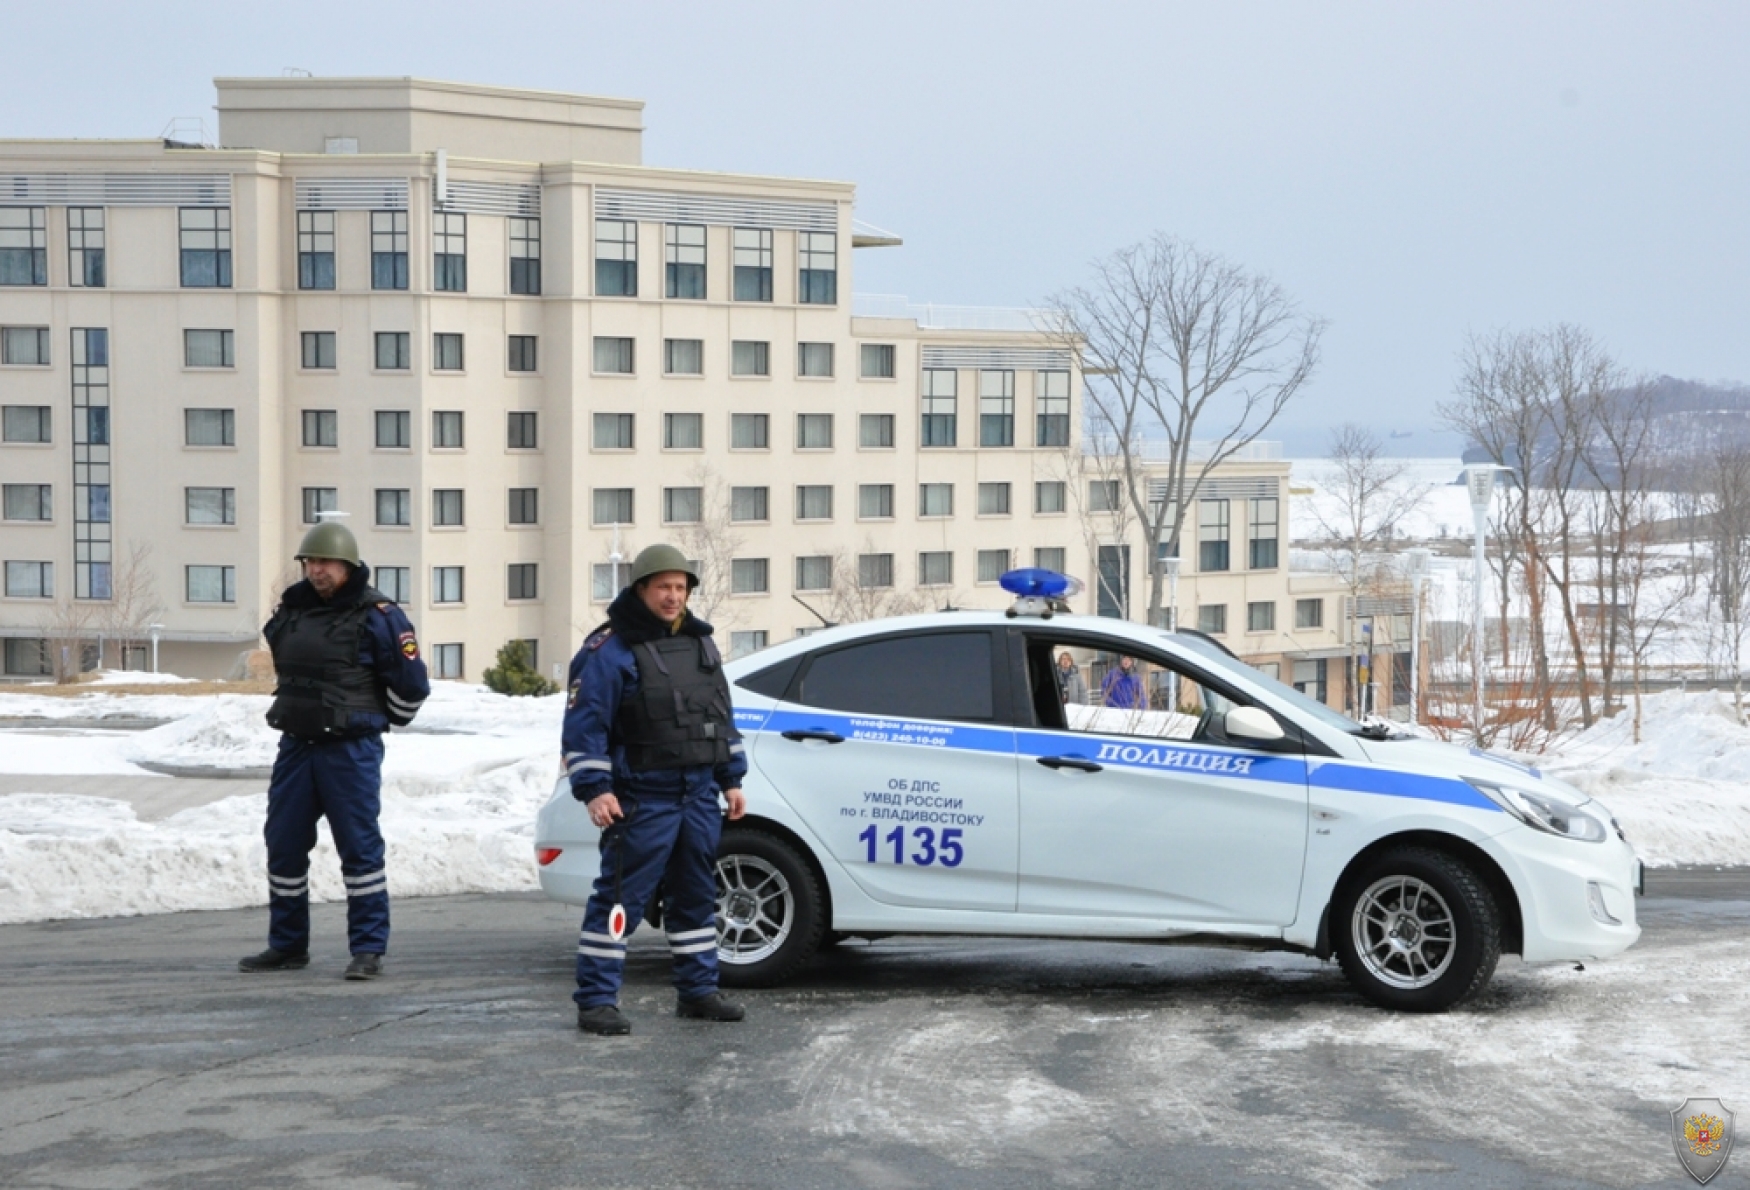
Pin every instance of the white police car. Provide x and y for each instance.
(1038, 774)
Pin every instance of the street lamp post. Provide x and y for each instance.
(1171, 567)
(1480, 479)
(154, 629)
(1418, 560)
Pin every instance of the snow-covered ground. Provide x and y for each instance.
(460, 796)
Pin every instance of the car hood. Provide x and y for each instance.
(1440, 759)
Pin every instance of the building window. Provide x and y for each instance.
(446, 584)
(446, 508)
(209, 427)
(321, 427)
(449, 260)
(996, 408)
(318, 501)
(817, 252)
(935, 499)
(210, 506)
(814, 359)
(992, 565)
(389, 250)
(684, 255)
(1049, 496)
(753, 264)
(1212, 535)
(24, 346)
(875, 431)
(1309, 613)
(1308, 677)
(525, 254)
(614, 431)
(1263, 535)
(317, 349)
(1051, 401)
(749, 431)
(446, 659)
(875, 501)
(1050, 557)
(394, 506)
(446, 429)
(613, 355)
(522, 353)
(682, 506)
(877, 361)
(748, 504)
(206, 247)
(993, 499)
(394, 350)
(394, 429)
(1104, 495)
(683, 357)
(1261, 617)
(315, 249)
(814, 502)
(520, 431)
(604, 580)
(525, 506)
(209, 349)
(750, 357)
(446, 352)
(520, 581)
(1212, 618)
(935, 568)
(814, 572)
(25, 423)
(24, 246)
(96, 426)
(30, 580)
(28, 657)
(611, 506)
(27, 502)
(874, 571)
(394, 581)
(814, 431)
(741, 644)
(86, 265)
(747, 576)
(211, 584)
(683, 431)
(616, 258)
(940, 388)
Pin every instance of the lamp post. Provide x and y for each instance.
(154, 630)
(1480, 479)
(1418, 560)
(1171, 567)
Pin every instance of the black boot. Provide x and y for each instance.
(365, 966)
(709, 1008)
(604, 1019)
(273, 960)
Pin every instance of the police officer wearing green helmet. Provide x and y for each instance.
(348, 669)
(650, 747)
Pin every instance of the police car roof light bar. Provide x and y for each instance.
(1039, 592)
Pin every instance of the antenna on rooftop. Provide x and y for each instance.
(295, 72)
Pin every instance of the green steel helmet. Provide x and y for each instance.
(329, 539)
(655, 559)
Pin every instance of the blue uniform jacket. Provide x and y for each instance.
(603, 674)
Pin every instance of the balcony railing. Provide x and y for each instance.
(952, 318)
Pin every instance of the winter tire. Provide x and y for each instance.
(769, 909)
(1416, 930)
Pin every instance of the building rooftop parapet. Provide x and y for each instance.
(932, 316)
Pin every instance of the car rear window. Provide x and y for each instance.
(944, 675)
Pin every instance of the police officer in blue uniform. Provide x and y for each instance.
(649, 743)
(348, 669)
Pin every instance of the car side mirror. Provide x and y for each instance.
(1251, 723)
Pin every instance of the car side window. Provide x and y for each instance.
(941, 675)
(1079, 688)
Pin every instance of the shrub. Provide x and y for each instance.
(514, 675)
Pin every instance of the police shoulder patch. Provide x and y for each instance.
(409, 646)
(571, 694)
(597, 640)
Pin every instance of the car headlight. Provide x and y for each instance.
(1545, 810)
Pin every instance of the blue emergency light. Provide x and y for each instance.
(1039, 592)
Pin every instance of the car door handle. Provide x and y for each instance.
(1070, 762)
(814, 733)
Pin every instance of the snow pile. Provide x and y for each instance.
(1682, 794)
(226, 731)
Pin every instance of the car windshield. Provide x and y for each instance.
(1222, 661)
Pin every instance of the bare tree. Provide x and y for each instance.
(69, 627)
(133, 604)
(1094, 487)
(1727, 502)
(711, 543)
(863, 588)
(1180, 347)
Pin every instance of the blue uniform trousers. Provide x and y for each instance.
(670, 832)
(340, 780)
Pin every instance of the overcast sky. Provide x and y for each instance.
(1410, 171)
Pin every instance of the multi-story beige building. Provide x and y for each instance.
(469, 318)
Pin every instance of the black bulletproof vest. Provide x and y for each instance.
(679, 715)
(316, 658)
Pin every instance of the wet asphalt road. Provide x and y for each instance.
(133, 1055)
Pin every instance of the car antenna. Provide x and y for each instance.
(824, 622)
